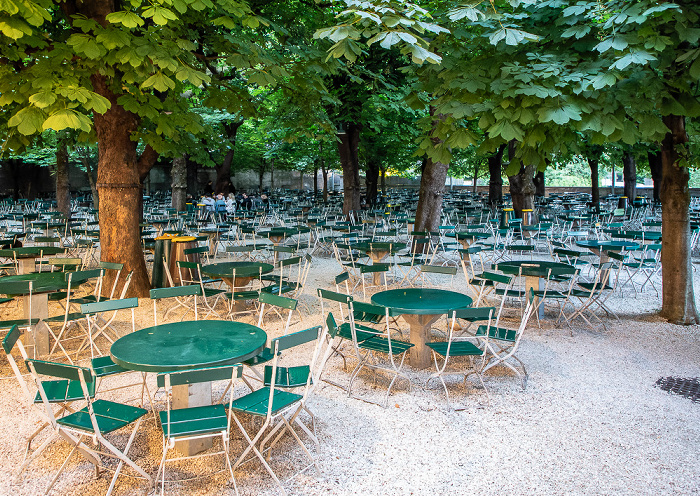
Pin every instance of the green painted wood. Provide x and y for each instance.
(109, 305)
(64, 371)
(31, 251)
(174, 291)
(194, 421)
(42, 282)
(607, 245)
(422, 301)
(10, 339)
(188, 345)
(295, 339)
(538, 268)
(279, 301)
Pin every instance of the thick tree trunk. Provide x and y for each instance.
(593, 163)
(538, 180)
(432, 188)
(179, 183)
(677, 274)
(495, 177)
(655, 166)
(612, 180)
(272, 174)
(629, 172)
(315, 180)
(383, 180)
(347, 150)
(192, 187)
(62, 184)
(223, 170)
(372, 180)
(119, 189)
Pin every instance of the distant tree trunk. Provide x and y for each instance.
(495, 177)
(372, 180)
(655, 166)
(315, 179)
(593, 163)
(629, 172)
(347, 150)
(522, 186)
(192, 186)
(383, 180)
(476, 176)
(179, 183)
(272, 174)
(432, 188)
(62, 183)
(612, 180)
(324, 172)
(90, 171)
(538, 180)
(223, 170)
(677, 275)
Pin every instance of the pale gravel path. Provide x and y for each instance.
(589, 423)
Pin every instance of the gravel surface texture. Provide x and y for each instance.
(590, 421)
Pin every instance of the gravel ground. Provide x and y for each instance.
(589, 422)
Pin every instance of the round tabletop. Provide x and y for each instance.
(368, 246)
(243, 269)
(539, 268)
(422, 301)
(44, 282)
(610, 245)
(31, 251)
(188, 345)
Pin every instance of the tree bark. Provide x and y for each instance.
(192, 187)
(62, 183)
(522, 186)
(90, 171)
(593, 163)
(372, 180)
(538, 180)
(223, 170)
(677, 274)
(432, 188)
(315, 179)
(495, 177)
(612, 180)
(118, 184)
(655, 166)
(347, 150)
(629, 172)
(179, 183)
(272, 174)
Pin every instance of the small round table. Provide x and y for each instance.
(245, 272)
(421, 307)
(600, 247)
(377, 252)
(27, 255)
(189, 345)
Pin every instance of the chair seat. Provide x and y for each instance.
(194, 421)
(104, 366)
(287, 377)
(110, 416)
(265, 356)
(377, 343)
(5, 300)
(61, 391)
(243, 295)
(275, 288)
(57, 296)
(362, 332)
(256, 403)
(209, 292)
(6, 324)
(500, 333)
(550, 294)
(60, 318)
(458, 348)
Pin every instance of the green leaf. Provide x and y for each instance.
(126, 19)
(28, 121)
(9, 7)
(67, 119)
(43, 99)
(159, 81)
(113, 38)
(14, 28)
(160, 15)
(84, 44)
(604, 79)
(694, 70)
(640, 57)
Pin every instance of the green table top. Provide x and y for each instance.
(188, 345)
(610, 245)
(243, 269)
(44, 282)
(31, 251)
(539, 268)
(422, 301)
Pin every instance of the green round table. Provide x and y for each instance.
(420, 308)
(27, 255)
(188, 345)
(377, 251)
(245, 271)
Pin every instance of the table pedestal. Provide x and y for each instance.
(377, 257)
(537, 284)
(419, 355)
(37, 338)
(187, 396)
(237, 306)
(26, 265)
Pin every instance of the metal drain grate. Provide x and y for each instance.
(690, 388)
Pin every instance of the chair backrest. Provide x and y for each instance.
(63, 263)
(16, 287)
(341, 298)
(61, 370)
(193, 290)
(108, 306)
(8, 344)
(279, 301)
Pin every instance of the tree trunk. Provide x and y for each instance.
(315, 180)
(324, 173)
(347, 150)
(655, 166)
(495, 177)
(272, 174)
(62, 184)
(629, 172)
(612, 180)
(223, 170)
(383, 180)
(192, 187)
(179, 183)
(593, 163)
(522, 186)
(432, 188)
(118, 185)
(89, 169)
(677, 274)
(538, 180)
(372, 180)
